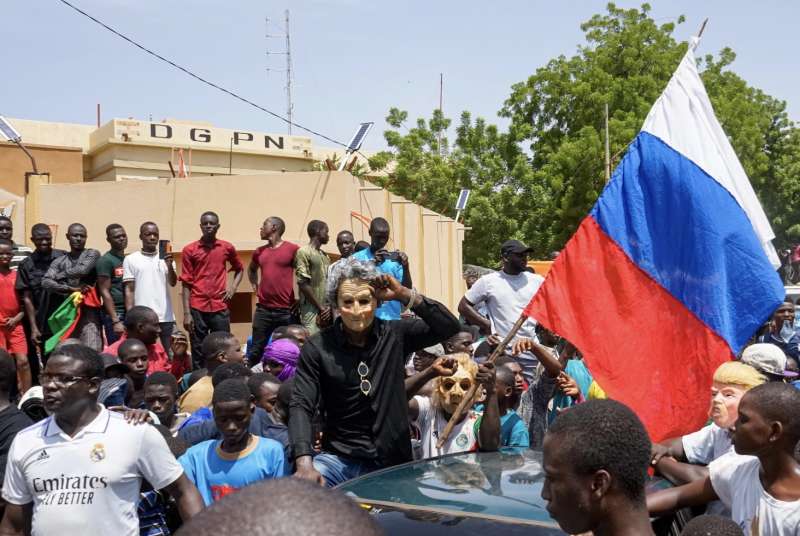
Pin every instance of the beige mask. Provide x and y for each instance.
(356, 303)
(450, 390)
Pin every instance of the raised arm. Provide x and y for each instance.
(443, 366)
(552, 364)
(489, 431)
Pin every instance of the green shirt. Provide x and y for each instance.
(312, 266)
(110, 265)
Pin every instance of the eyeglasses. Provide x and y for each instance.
(365, 386)
(62, 381)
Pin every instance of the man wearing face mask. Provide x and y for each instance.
(355, 370)
(781, 331)
(454, 376)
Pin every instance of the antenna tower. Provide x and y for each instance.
(288, 70)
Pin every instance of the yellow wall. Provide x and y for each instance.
(243, 202)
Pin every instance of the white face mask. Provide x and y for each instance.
(787, 331)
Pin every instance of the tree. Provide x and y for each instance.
(537, 180)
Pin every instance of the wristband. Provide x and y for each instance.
(410, 301)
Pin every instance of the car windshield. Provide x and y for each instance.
(505, 484)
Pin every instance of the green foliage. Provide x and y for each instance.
(538, 179)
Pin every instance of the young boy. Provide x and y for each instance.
(513, 432)
(218, 347)
(221, 467)
(761, 482)
(160, 395)
(264, 388)
(12, 334)
(595, 462)
(133, 354)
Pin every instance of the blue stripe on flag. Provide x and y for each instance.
(689, 234)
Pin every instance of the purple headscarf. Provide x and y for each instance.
(284, 351)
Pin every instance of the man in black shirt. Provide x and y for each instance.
(12, 420)
(38, 306)
(354, 372)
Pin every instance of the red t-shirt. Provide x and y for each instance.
(157, 359)
(203, 269)
(9, 304)
(276, 289)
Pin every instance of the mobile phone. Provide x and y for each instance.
(392, 255)
(164, 247)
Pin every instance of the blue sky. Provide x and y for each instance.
(353, 59)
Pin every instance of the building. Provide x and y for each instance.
(120, 173)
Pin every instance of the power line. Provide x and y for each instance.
(200, 78)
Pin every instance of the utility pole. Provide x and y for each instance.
(441, 91)
(288, 70)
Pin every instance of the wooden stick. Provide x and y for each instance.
(466, 402)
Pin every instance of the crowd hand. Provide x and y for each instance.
(387, 288)
(445, 366)
(295, 307)
(568, 385)
(85, 289)
(657, 451)
(380, 256)
(486, 377)
(36, 336)
(118, 327)
(229, 292)
(11, 323)
(305, 471)
(522, 345)
(401, 255)
(188, 322)
(133, 416)
(318, 443)
(325, 317)
(493, 340)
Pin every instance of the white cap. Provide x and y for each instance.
(767, 358)
(34, 392)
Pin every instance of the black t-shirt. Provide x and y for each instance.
(12, 421)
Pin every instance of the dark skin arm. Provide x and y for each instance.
(30, 313)
(443, 366)
(489, 431)
(694, 493)
(670, 448)
(188, 321)
(104, 286)
(406, 282)
(467, 310)
(189, 500)
(552, 365)
(231, 290)
(129, 289)
(680, 473)
(16, 520)
(252, 274)
(172, 276)
(325, 314)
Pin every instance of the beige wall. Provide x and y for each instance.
(62, 163)
(243, 202)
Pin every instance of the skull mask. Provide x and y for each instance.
(450, 390)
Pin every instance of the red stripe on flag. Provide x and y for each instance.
(642, 345)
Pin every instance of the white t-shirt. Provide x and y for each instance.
(505, 296)
(707, 444)
(87, 484)
(149, 274)
(431, 423)
(736, 481)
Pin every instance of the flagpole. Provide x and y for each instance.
(466, 402)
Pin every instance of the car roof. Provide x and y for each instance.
(505, 485)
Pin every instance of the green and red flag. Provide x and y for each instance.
(64, 319)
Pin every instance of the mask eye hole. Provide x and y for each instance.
(466, 384)
(448, 384)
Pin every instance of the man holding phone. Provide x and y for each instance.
(393, 263)
(147, 276)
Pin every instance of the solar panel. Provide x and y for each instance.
(358, 139)
(8, 131)
(461, 204)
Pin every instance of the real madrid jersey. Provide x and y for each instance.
(89, 483)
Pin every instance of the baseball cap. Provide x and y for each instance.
(514, 246)
(768, 359)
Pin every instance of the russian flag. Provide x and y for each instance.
(672, 271)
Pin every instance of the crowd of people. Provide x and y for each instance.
(121, 422)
